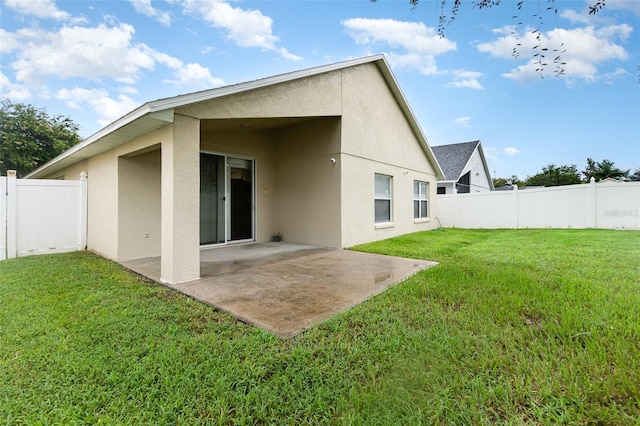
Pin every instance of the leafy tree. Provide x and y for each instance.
(29, 137)
(513, 180)
(635, 176)
(553, 175)
(602, 170)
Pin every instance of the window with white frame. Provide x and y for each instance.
(382, 198)
(420, 191)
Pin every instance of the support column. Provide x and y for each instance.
(180, 250)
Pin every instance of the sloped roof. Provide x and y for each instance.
(159, 113)
(454, 157)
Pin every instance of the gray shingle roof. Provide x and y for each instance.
(454, 157)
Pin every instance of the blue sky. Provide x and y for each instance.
(94, 61)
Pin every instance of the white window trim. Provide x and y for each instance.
(426, 218)
(389, 223)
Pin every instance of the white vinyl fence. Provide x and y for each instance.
(42, 216)
(605, 205)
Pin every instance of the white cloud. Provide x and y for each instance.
(91, 53)
(144, 7)
(246, 28)
(412, 36)
(425, 64)
(631, 5)
(38, 8)
(420, 43)
(107, 108)
(195, 76)
(582, 50)
(511, 151)
(9, 41)
(490, 154)
(466, 79)
(80, 52)
(96, 53)
(462, 121)
(15, 92)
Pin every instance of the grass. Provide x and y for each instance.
(513, 327)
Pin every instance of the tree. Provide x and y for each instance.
(602, 170)
(29, 137)
(635, 177)
(513, 180)
(553, 175)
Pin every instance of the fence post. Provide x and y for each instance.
(514, 209)
(12, 249)
(83, 210)
(455, 205)
(592, 202)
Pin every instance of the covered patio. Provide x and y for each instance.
(286, 288)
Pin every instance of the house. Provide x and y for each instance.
(465, 168)
(330, 156)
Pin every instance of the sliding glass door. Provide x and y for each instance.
(227, 194)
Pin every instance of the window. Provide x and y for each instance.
(442, 190)
(463, 186)
(420, 190)
(382, 199)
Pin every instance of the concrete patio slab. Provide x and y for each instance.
(287, 288)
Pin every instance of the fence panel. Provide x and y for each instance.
(3, 218)
(557, 207)
(611, 213)
(601, 205)
(44, 216)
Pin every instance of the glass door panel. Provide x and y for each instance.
(212, 199)
(241, 199)
(226, 199)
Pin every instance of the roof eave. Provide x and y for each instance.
(163, 108)
(110, 128)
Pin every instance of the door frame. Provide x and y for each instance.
(227, 199)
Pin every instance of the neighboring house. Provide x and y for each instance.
(329, 156)
(465, 168)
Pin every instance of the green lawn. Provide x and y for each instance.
(513, 327)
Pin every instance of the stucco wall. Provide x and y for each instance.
(308, 196)
(377, 138)
(139, 184)
(314, 96)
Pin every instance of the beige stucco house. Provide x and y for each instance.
(329, 156)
